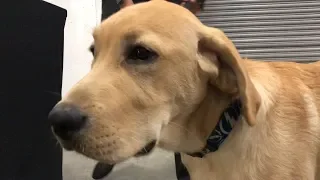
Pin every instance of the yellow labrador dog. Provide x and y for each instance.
(162, 78)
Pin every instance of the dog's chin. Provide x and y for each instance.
(69, 146)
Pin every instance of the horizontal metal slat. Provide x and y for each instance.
(237, 7)
(226, 2)
(275, 24)
(278, 45)
(297, 56)
(294, 59)
(277, 50)
(266, 17)
(215, 14)
(268, 29)
(283, 56)
(276, 39)
(274, 33)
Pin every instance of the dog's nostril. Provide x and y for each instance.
(66, 119)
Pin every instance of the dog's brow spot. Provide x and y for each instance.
(131, 37)
(139, 104)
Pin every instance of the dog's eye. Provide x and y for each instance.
(140, 54)
(91, 49)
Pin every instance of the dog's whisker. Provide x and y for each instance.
(101, 153)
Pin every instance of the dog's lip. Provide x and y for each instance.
(68, 147)
(147, 149)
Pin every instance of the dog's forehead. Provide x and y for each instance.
(153, 16)
(153, 12)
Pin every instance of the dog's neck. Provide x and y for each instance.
(223, 128)
(193, 130)
(208, 114)
(188, 133)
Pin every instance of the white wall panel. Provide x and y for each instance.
(83, 16)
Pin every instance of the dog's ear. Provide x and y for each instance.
(219, 58)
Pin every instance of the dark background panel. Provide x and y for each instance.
(31, 62)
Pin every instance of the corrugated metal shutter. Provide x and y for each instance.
(268, 29)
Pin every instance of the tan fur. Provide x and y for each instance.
(178, 99)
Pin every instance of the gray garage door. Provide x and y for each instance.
(268, 29)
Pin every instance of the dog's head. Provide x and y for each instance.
(153, 63)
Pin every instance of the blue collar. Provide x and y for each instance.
(222, 130)
(220, 133)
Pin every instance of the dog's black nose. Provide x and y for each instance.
(66, 119)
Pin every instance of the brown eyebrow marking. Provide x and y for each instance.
(128, 41)
(131, 37)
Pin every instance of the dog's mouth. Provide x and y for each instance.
(144, 151)
(147, 149)
(66, 145)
